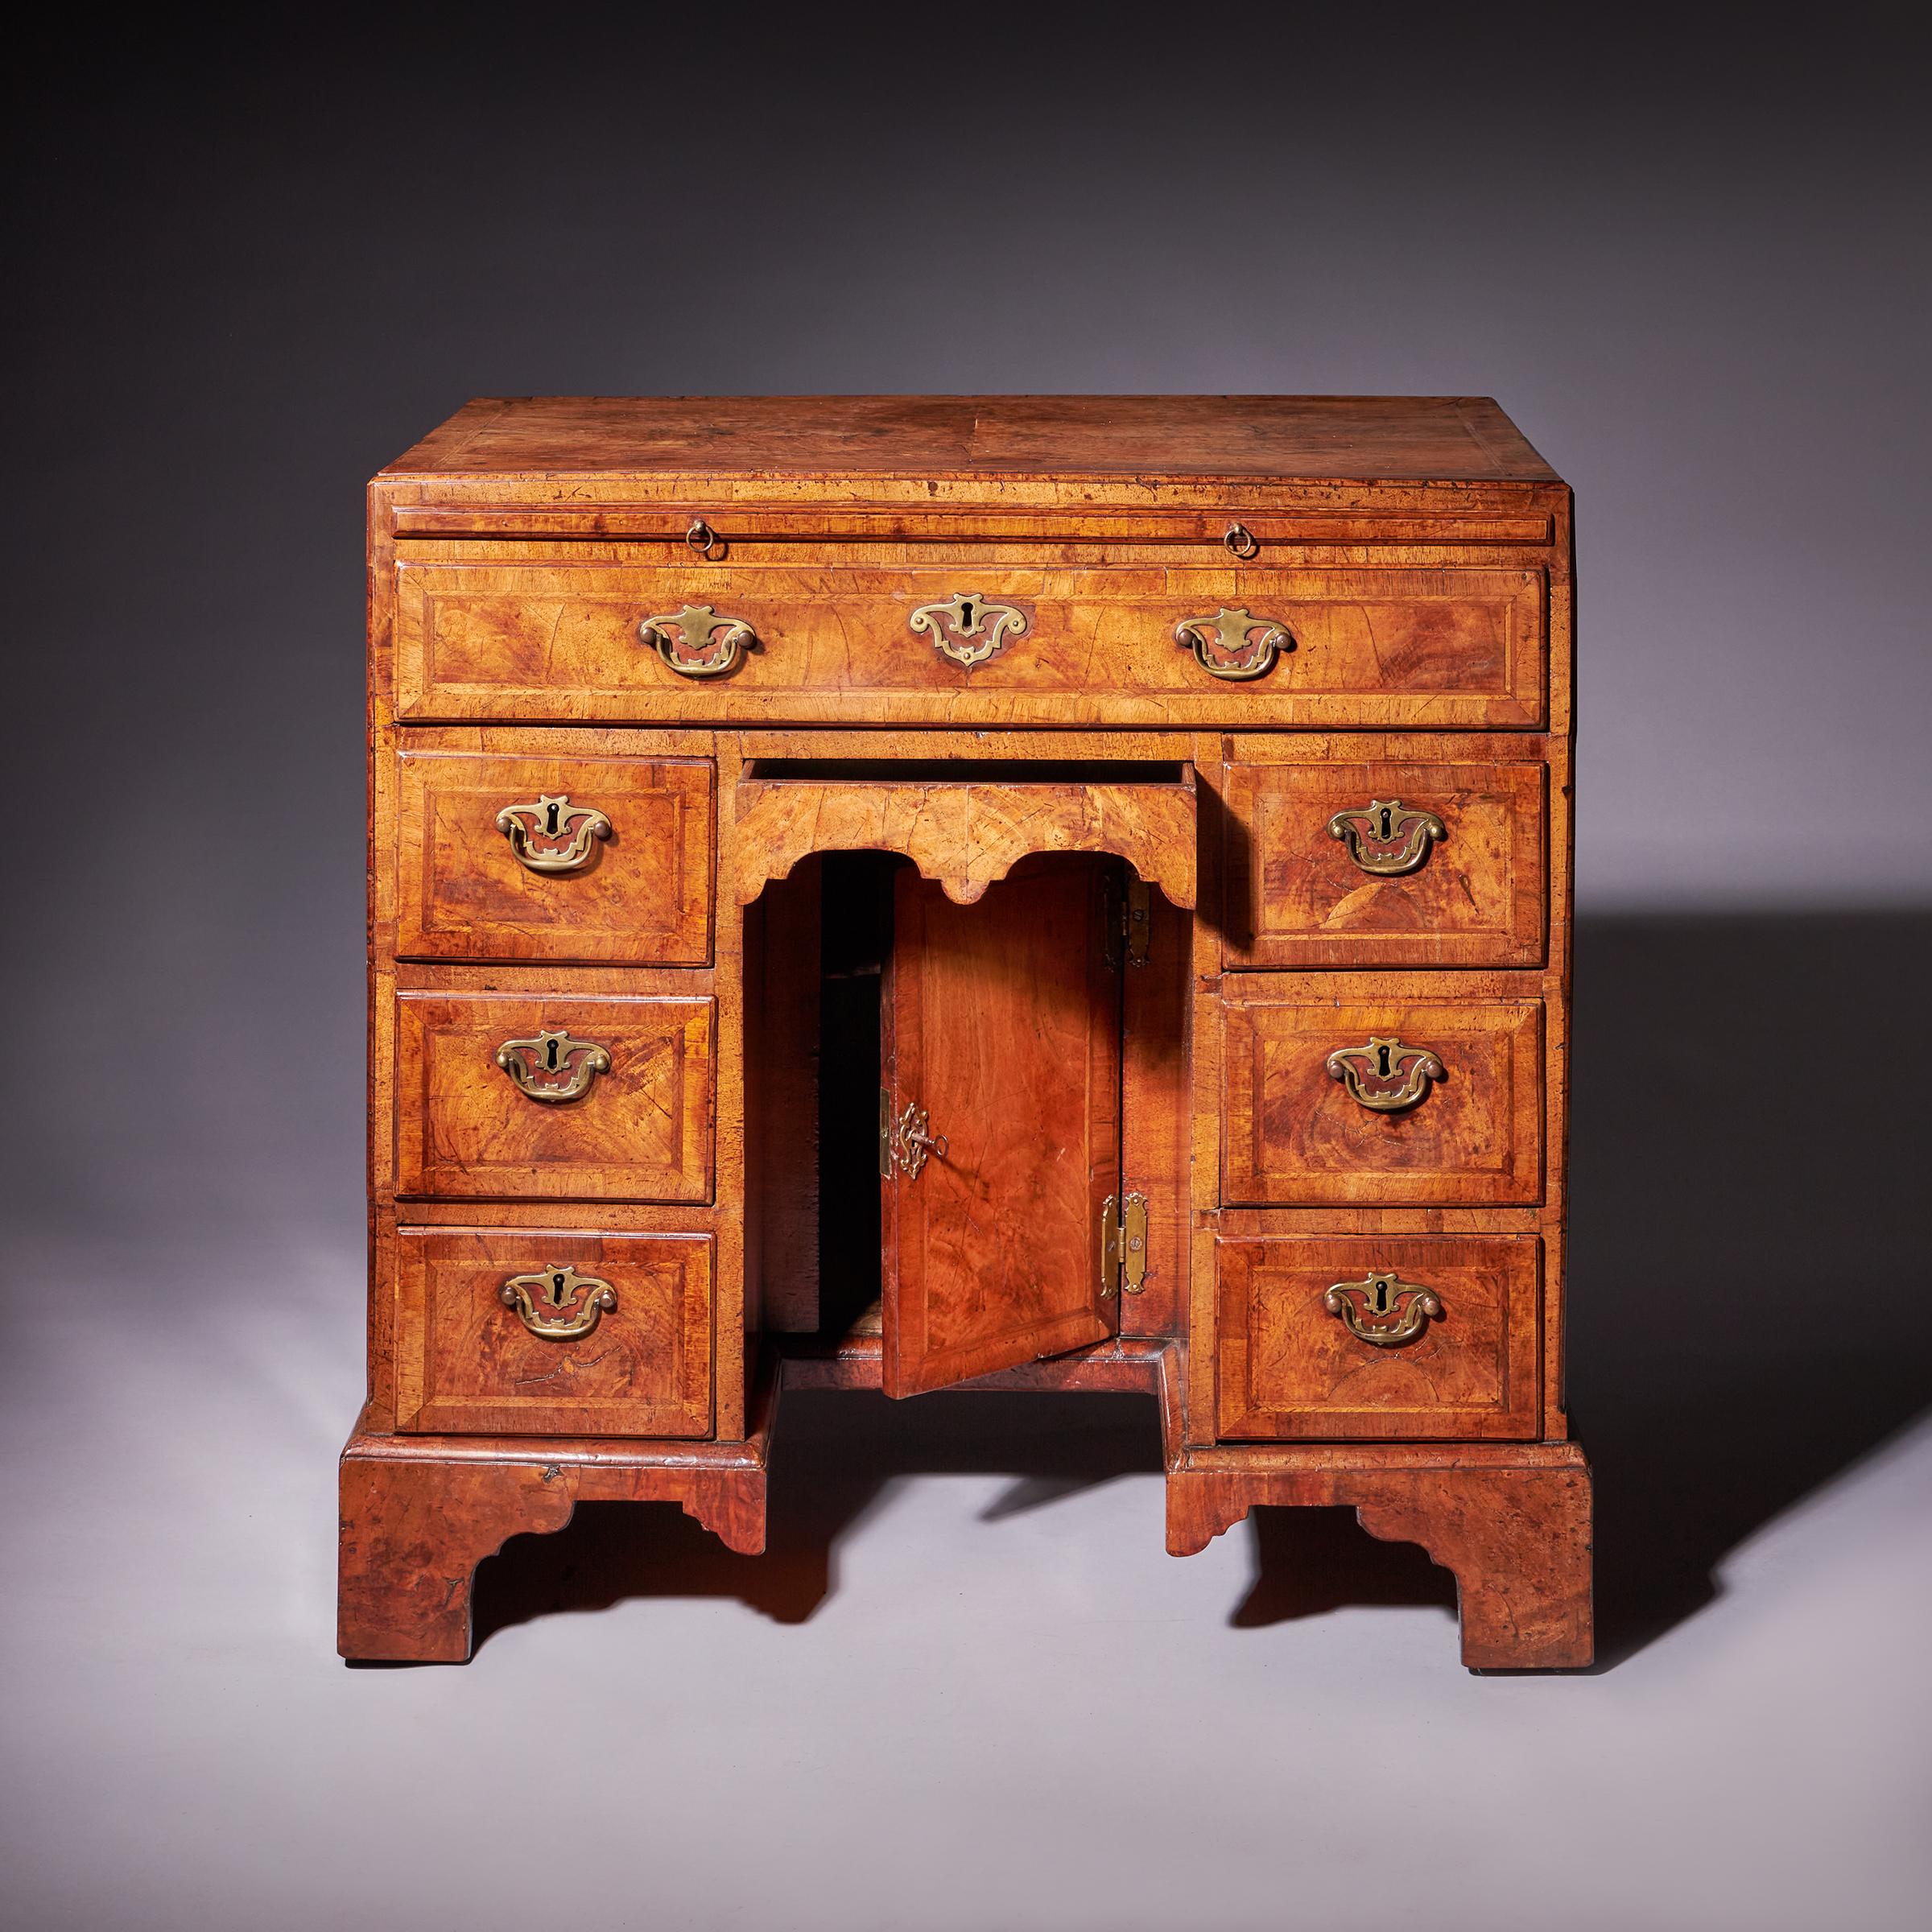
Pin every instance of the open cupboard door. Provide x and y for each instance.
(1000, 1123)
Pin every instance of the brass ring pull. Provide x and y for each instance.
(1231, 644)
(558, 1315)
(968, 629)
(696, 643)
(1383, 1309)
(552, 835)
(1241, 541)
(1386, 838)
(1386, 1076)
(703, 539)
(911, 1143)
(552, 1067)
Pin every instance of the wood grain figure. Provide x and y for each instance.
(934, 892)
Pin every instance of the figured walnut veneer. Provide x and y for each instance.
(1022, 917)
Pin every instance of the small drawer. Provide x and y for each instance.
(967, 643)
(1408, 864)
(526, 1332)
(590, 1098)
(1402, 1336)
(554, 858)
(1378, 1103)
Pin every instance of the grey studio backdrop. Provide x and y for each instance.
(1689, 259)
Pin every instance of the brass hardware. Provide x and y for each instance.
(703, 539)
(1136, 922)
(552, 1066)
(558, 1288)
(1385, 1075)
(1241, 541)
(969, 615)
(1123, 1244)
(705, 645)
(569, 832)
(1385, 837)
(905, 1143)
(1383, 1309)
(1231, 644)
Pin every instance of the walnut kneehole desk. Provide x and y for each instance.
(1036, 892)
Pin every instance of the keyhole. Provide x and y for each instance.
(1382, 1062)
(1384, 833)
(966, 619)
(1381, 1298)
(549, 822)
(549, 1058)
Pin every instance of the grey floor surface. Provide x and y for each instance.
(966, 1688)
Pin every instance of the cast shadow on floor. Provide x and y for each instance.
(1748, 1315)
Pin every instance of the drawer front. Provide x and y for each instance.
(1435, 647)
(1342, 1337)
(554, 858)
(515, 1332)
(1309, 1113)
(593, 1099)
(1407, 864)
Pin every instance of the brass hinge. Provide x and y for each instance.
(1123, 1244)
(1135, 923)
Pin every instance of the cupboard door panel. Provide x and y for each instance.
(1002, 1023)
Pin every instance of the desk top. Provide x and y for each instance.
(1343, 439)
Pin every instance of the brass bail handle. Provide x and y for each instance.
(1383, 1309)
(557, 1304)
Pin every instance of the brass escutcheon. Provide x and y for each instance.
(1386, 837)
(696, 643)
(1386, 1076)
(559, 1317)
(552, 1066)
(553, 835)
(1231, 644)
(1383, 1309)
(909, 1143)
(969, 616)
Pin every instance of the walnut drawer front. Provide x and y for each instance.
(596, 1099)
(1302, 1352)
(1294, 1133)
(1440, 647)
(554, 858)
(523, 1331)
(1386, 864)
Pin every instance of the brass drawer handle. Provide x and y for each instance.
(558, 1316)
(1383, 1309)
(553, 835)
(904, 1143)
(1387, 1075)
(968, 617)
(1231, 644)
(696, 643)
(1386, 838)
(552, 1066)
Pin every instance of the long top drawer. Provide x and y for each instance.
(970, 643)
